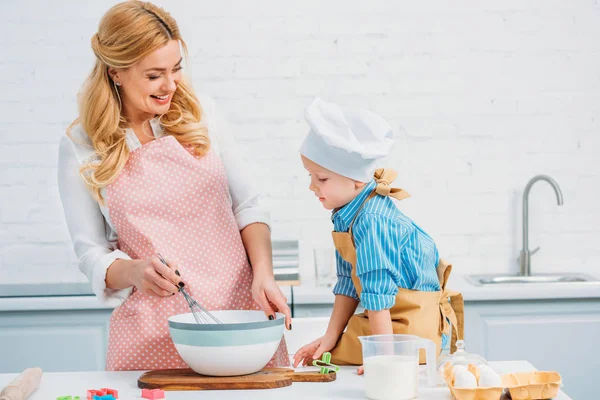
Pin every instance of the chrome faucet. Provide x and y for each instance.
(525, 258)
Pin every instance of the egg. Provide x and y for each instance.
(488, 377)
(463, 378)
(459, 368)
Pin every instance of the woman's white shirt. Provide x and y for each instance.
(92, 232)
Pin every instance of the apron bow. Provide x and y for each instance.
(384, 177)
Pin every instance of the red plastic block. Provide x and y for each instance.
(93, 392)
(114, 392)
(153, 394)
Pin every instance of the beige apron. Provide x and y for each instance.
(414, 312)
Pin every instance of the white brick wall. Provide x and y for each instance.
(489, 94)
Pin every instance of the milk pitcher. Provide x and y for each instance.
(391, 365)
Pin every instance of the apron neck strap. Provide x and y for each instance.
(371, 195)
(383, 177)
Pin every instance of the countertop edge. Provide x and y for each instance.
(309, 295)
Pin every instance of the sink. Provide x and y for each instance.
(518, 279)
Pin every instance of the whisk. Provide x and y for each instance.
(201, 314)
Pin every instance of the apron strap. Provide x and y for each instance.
(371, 195)
(452, 307)
(443, 272)
(458, 305)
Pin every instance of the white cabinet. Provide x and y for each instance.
(552, 335)
(73, 340)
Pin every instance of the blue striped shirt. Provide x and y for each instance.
(392, 251)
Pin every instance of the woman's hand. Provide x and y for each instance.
(155, 278)
(314, 350)
(269, 297)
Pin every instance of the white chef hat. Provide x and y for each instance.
(347, 142)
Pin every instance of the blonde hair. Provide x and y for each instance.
(127, 33)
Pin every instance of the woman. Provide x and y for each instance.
(146, 169)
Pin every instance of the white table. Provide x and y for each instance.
(347, 386)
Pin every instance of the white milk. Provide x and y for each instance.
(391, 377)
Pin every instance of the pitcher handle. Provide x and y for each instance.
(430, 359)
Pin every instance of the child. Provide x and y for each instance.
(384, 260)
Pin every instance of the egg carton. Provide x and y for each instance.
(477, 393)
(535, 385)
(532, 385)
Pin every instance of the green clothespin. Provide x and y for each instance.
(325, 364)
(67, 398)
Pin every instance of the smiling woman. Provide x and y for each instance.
(146, 169)
(147, 87)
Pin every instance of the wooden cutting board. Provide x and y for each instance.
(268, 378)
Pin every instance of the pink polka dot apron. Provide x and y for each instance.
(166, 200)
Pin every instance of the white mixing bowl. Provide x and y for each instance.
(243, 344)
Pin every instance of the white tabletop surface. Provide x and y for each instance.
(347, 386)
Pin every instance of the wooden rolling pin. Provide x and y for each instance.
(23, 385)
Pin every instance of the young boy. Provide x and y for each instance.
(384, 260)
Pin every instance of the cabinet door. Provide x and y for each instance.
(558, 336)
(53, 340)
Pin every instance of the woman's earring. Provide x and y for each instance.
(117, 85)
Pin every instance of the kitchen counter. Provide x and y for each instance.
(347, 386)
(69, 333)
(309, 294)
(524, 291)
(45, 289)
(78, 296)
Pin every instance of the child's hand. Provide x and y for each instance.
(314, 350)
(360, 370)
